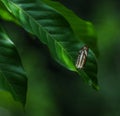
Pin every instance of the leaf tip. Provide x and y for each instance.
(94, 85)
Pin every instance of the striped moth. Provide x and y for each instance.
(82, 56)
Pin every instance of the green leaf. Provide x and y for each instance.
(53, 29)
(5, 15)
(84, 30)
(12, 75)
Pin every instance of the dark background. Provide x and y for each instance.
(54, 91)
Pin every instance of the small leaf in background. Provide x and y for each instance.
(63, 37)
(12, 75)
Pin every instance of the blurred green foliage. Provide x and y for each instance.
(53, 91)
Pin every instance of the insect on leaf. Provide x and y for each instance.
(52, 28)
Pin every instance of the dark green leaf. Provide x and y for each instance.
(12, 76)
(52, 29)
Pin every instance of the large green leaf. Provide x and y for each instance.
(53, 30)
(12, 75)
